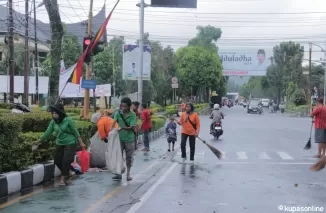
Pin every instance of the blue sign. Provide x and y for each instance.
(88, 84)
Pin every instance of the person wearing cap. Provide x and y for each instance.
(66, 137)
(190, 122)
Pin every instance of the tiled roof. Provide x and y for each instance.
(44, 30)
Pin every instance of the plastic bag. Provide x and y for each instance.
(113, 154)
(76, 167)
(84, 159)
(97, 150)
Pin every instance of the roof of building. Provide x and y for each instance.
(43, 29)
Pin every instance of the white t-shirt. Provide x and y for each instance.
(95, 117)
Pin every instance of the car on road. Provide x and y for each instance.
(253, 106)
(265, 102)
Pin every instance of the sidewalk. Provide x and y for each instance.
(87, 189)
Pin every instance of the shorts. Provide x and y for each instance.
(129, 149)
(320, 135)
(172, 140)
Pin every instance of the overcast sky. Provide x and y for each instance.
(242, 27)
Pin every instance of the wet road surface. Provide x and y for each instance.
(264, 166)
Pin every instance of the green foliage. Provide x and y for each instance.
(18, 131)
(199, 66)
(291, 88)
(298, 97)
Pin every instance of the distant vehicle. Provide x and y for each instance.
(265, 102)
(253, 106)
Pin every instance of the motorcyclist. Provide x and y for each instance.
(216, 115)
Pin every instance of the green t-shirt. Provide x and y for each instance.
(66, 132)
(127, 136)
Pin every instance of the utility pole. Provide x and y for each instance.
(26, 58)
(89, 65)
(324, 77)
(141, 50)
(309, 77)
(11, 51)
(36, 58)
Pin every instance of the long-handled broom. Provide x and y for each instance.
(308, 144)
(216, 152)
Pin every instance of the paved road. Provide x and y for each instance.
(264, 167)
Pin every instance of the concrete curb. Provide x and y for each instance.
(17, 181)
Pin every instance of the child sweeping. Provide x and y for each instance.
(171, 132)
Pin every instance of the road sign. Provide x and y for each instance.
(174, 80)
(88, 84)
(175, 86)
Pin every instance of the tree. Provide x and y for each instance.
(56, 39)
(71, 51)
(108, 65)
(198, 68)
(205, 36)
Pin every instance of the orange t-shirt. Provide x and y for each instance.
(104, 126)
(187, 127)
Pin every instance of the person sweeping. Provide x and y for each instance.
(66, 136)
(319, 113)
(190, 122)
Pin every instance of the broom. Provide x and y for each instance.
(215, 151)
(308, 144)
(319, 165)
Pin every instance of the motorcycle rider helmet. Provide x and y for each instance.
(216, 106)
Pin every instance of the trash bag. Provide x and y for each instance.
(97, 150)
(76, 167)
(84, 159)
(113, 154)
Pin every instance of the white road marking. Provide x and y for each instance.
(242, 155)
(271, 163)
(263, 156)
(145, 197)
(285, 156)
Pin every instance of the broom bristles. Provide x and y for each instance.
(216, 152)
(308, 144)
(319, 165)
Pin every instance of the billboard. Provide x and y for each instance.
(131, 62)
(252, 62)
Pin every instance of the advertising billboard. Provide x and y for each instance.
(248, 62)
(131, 62)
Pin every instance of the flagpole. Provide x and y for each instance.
(61, 92)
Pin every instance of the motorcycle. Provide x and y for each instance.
(217, 130)
(20, 108)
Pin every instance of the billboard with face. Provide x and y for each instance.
(245, 62)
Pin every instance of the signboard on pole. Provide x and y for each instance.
(131, 62)
(174, 80)
(175, 86)
(88, 84)
(249, 62)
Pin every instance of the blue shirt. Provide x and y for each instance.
(171, 130)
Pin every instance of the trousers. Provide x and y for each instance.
(64, 157)
(192, 144)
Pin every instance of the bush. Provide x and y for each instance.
(158, 122)
(298, 97)
(6, 106)
(20, 130)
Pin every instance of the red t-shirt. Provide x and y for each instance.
(147, 121)
(320, 117)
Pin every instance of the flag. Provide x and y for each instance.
(76, 74)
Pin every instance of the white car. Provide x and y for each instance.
(265, 102)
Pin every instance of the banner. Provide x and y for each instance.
(131, 62)
(251, 62)
(74, 90)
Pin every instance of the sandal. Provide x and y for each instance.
(129, 178)
(62, 183)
